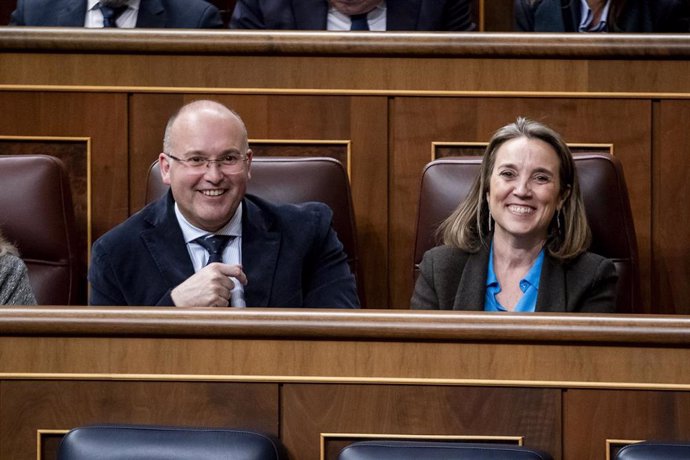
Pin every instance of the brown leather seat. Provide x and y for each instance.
(446, 182)
(295, 180)
(36, 214)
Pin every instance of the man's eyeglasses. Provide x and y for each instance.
(229, 161)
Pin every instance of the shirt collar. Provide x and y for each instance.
(93, 4)
(587, 18)
(371, 15)
(191, 232)
(532, 277)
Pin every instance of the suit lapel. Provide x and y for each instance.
(151, 14)
(551, 287)
(402, 14)
(71, 13)
(260, 246)
(472, 287)
(310, 14)
(172, 259)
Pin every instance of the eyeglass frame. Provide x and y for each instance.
(207, 161)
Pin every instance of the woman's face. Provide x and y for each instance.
(524, 191)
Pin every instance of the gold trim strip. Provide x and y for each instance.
(346, 92)
(436, 144)
(39, 444)
(618, 442)
(344, 142)
(570, 384)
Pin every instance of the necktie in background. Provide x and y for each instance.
(110, 15)
(215, 244)
(359, 22)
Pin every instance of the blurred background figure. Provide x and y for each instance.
(184, 14)
(602, 15)
(14, 279)
(378, 15)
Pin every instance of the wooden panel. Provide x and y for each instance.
(670, 178)
(474, 120)
(27, 406)
(361, 120)
(311, 410)
(100, 117)
(593, 417)
(341, 376)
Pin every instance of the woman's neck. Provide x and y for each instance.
(512, 254)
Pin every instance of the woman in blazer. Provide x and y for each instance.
(519, 241)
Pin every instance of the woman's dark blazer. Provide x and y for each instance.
(452, 279)
(637, 16)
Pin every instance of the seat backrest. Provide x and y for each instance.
(296, 180)
(654, 450)
(132, 442)
(425, 450)
(446, 182)
(36, 215)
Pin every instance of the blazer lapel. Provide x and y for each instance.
(260, 246)
(472, 287)
(310, 14)
(402, 14)
(71, 13)
(551, 287)
(165, 243)
(151, 14)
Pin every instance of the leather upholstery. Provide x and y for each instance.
(446, 182)
(652, 450)
(422, 450)
(295, 180)
(36, 214)
(125, 442)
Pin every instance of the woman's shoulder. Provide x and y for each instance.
(9, 263)
(590, 262)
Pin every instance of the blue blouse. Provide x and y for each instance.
(529, 285)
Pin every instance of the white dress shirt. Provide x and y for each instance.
(339, 21)
(127, 20)
(232, 254)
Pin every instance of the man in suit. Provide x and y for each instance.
(206, 243)
(441, 15)
(183, 14)
(633, 16)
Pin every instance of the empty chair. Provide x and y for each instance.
(124, 442)
(296, 180)
(446, 182)
(36, 214)
(423, 450)
(654, 450)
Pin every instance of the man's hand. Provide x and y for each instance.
(209, 287)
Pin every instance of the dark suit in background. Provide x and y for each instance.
(312, 15)
(290, 255)
(636, 16)
(183, 14)
(452, 279)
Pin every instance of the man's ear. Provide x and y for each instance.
(164, 166)
(250, 155)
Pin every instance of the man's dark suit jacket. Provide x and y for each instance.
(182, 14)
(290, 254)
(313, 15)
(637, 16)
(451, 278)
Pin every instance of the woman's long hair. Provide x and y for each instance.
(468, 227)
